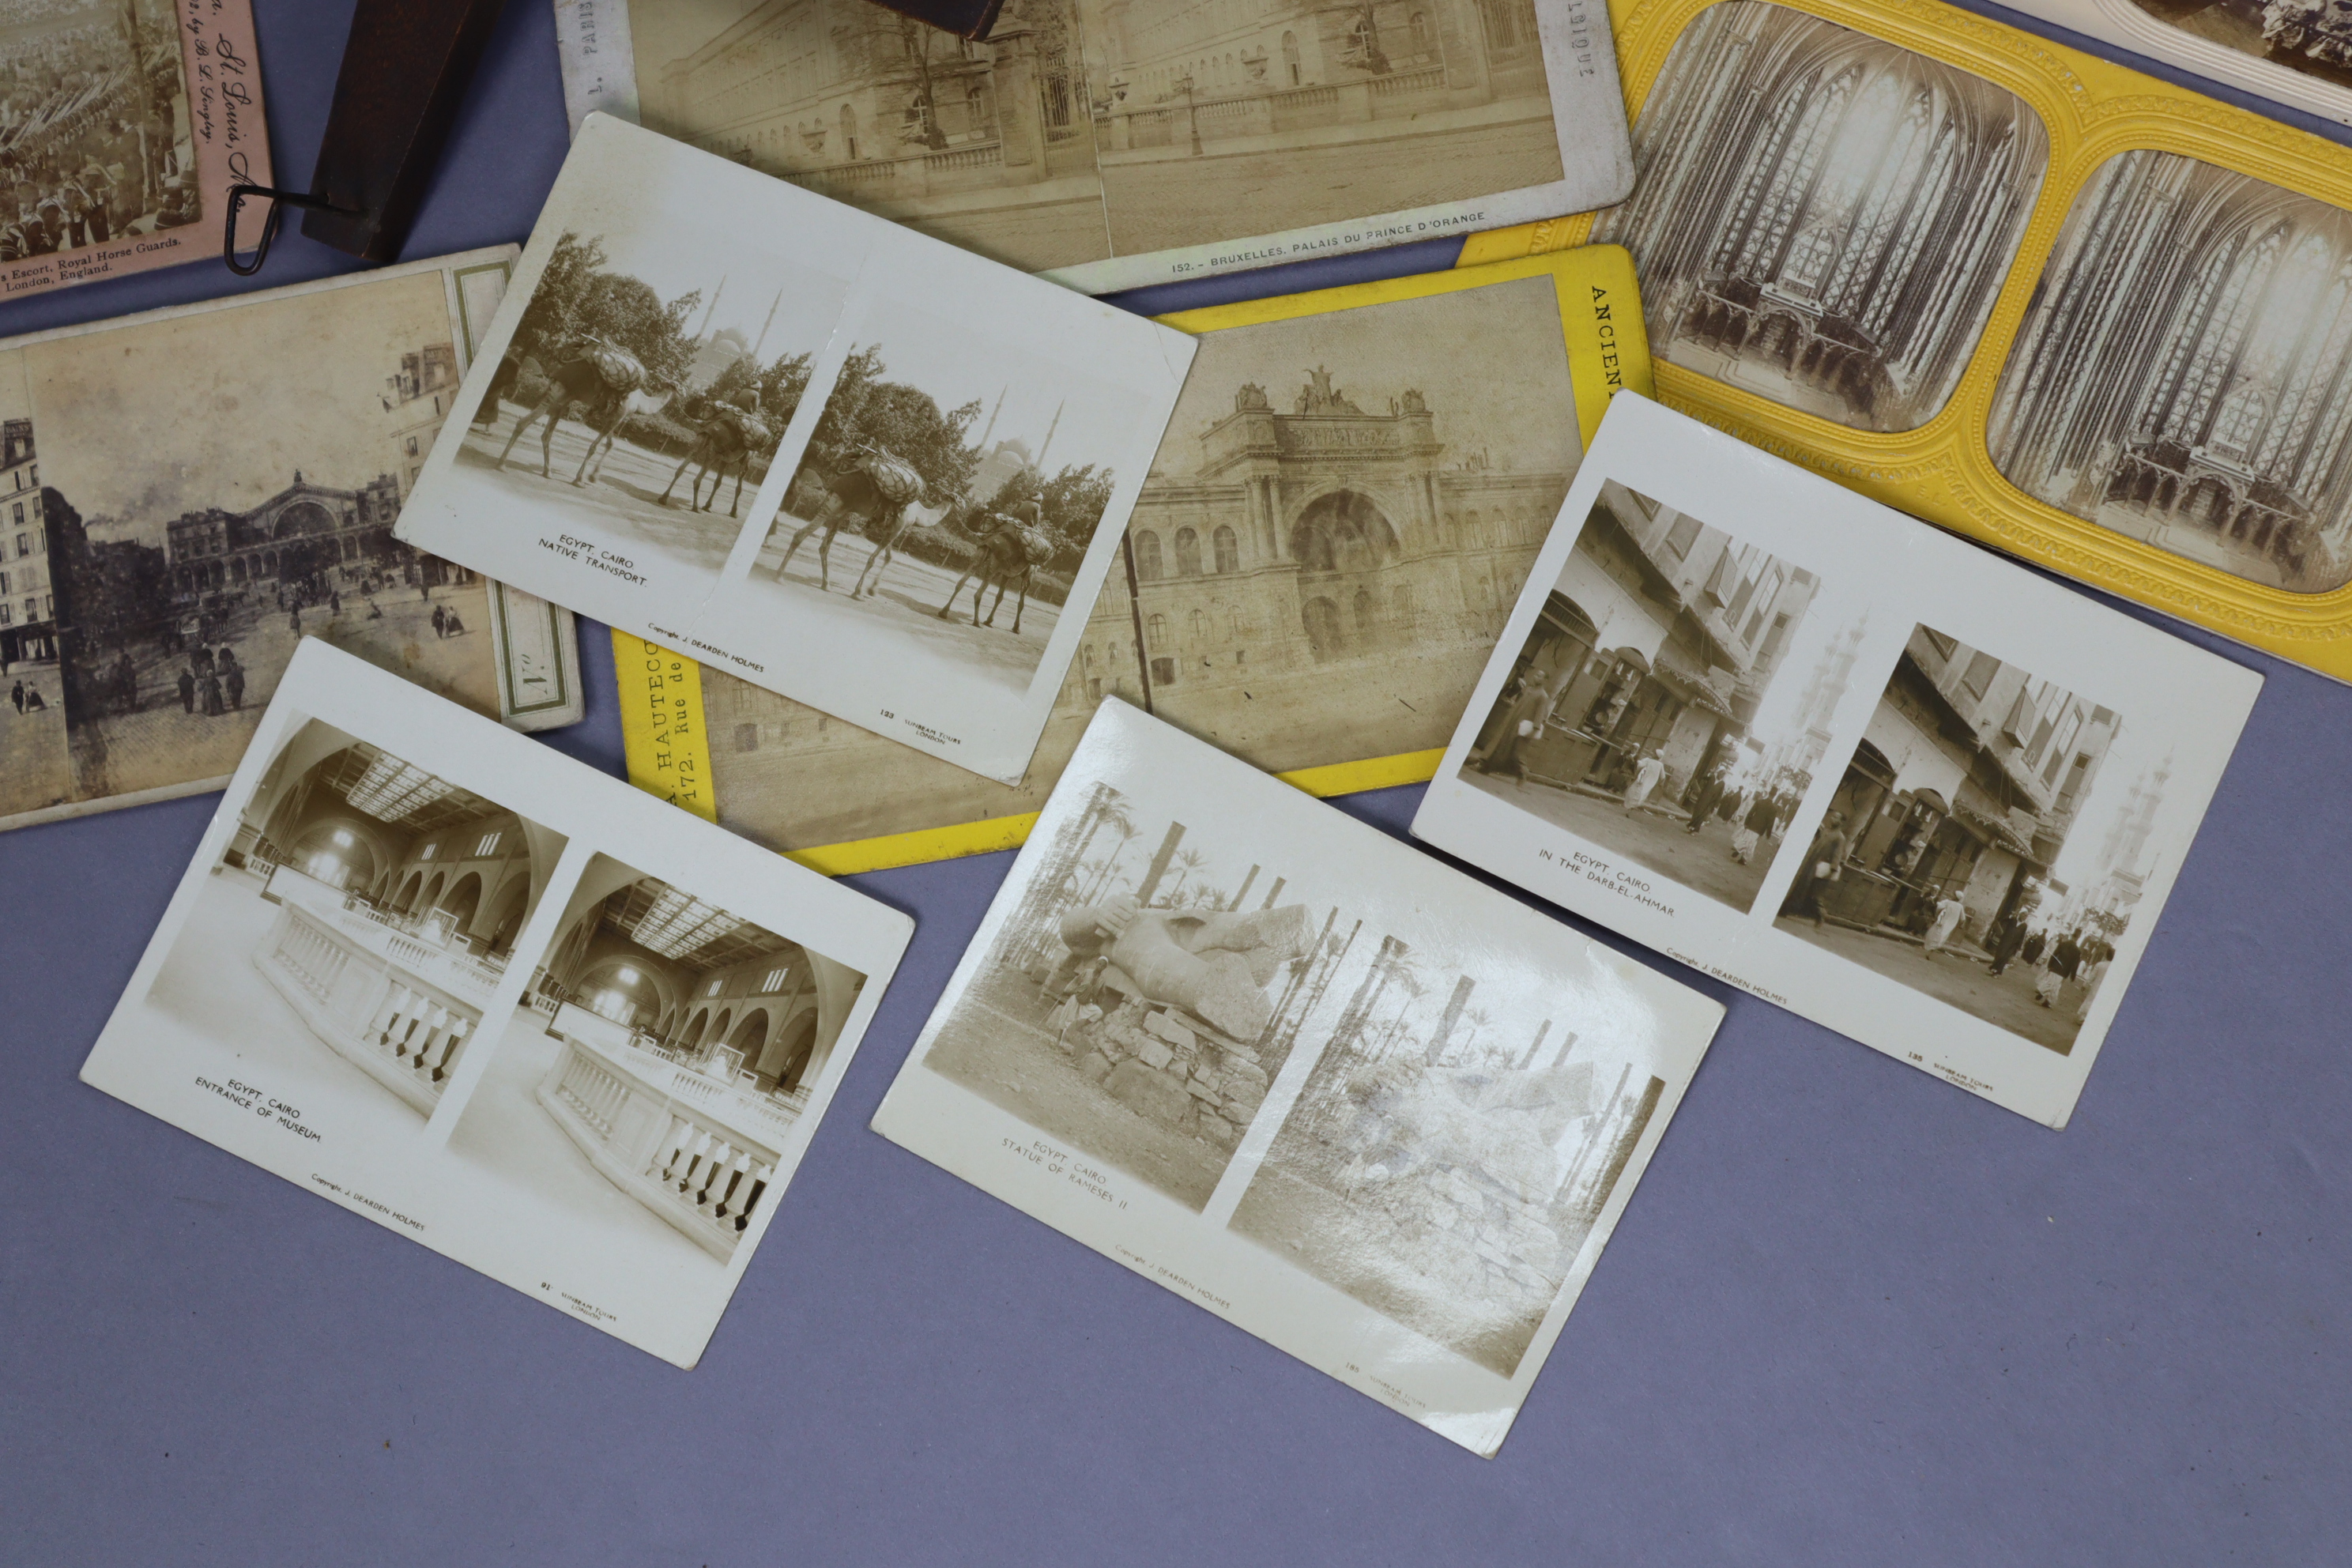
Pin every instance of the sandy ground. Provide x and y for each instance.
(2005, 1001)
(626, 495)
(997, 1046)
(532, 1167)
(907, 601)
(1701, 861)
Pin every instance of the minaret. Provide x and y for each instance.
(711, 310)
(993, 413)
(764, 325)
(1040, 460)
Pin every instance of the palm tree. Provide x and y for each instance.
(1478, 1020)
(1187, 862)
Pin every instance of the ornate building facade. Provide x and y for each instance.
(1329, 560)
(2182, 375)
(1822, 217)
(303, 529)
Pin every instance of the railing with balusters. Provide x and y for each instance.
(697, 1151)
(380, 1006)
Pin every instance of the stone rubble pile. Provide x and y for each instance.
(1165, 1064)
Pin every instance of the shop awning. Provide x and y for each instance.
(1933, 801)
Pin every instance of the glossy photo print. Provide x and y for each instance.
(681, 422)
(408, 971)
(1352, 1101)
(1943, 823)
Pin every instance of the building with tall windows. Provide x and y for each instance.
(1328, 559)
(1822, 217)
(2182, 375)
(28, 605)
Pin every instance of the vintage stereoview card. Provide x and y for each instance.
(188, 495)
(1313, 573)
(705, 380)
(1336, 1092)
(122, 125)
(1869, 773)
(1112, 143)
(497, 1002)
(2295, 52)
(2088, 317)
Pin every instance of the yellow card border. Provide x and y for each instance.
(1600, 320)
(1943, 470)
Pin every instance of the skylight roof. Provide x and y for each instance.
(392, 790)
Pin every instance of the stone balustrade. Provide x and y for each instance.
(399, 1010)
(697, 1149)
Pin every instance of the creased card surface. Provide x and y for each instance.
(703, 378)
(1338, 1094)
(189, 494)
(500, 1004)
(1864, 770)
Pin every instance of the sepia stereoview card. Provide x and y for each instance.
(498, 1003)
(1336, 1092)
(1113, 143)
(1864, 770)
(1313, 573)
(188, 495)
(2097, 321)
(122, 125)
(2293, 52)
(705, 383)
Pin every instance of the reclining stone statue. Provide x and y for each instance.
(1212, 964)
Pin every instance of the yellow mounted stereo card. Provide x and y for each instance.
(2088, 317)
(1334, 530)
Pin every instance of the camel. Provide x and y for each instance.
(830, 499)
(598, 377)
(915, 515)
(1011, 549)
(726, 439)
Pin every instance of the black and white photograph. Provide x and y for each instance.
(166, 542)
(1326, 546)
(1339, 1094)
(800, 443)
(401, 974)
(1988, 841)
(2310, 37)
(2182, 376)
(1673, 701)
(1823, 218)
(948, 495)
(647, 385)
(1964, 794)
(649, 1082)
(1118, 142)
(348, 941)
(1453, 1148)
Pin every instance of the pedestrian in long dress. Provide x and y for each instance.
(213, 707)
(2036, 943)
(188, 690)
(1703, 799)
(440, 622)
(1755, 828)
(2005, 945)
(1521, 720)
(2064, 958)
(1825, 864)
(18, 695)
(1646, 774)
(1948, 911)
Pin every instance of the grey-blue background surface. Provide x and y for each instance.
(1852, 1315)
